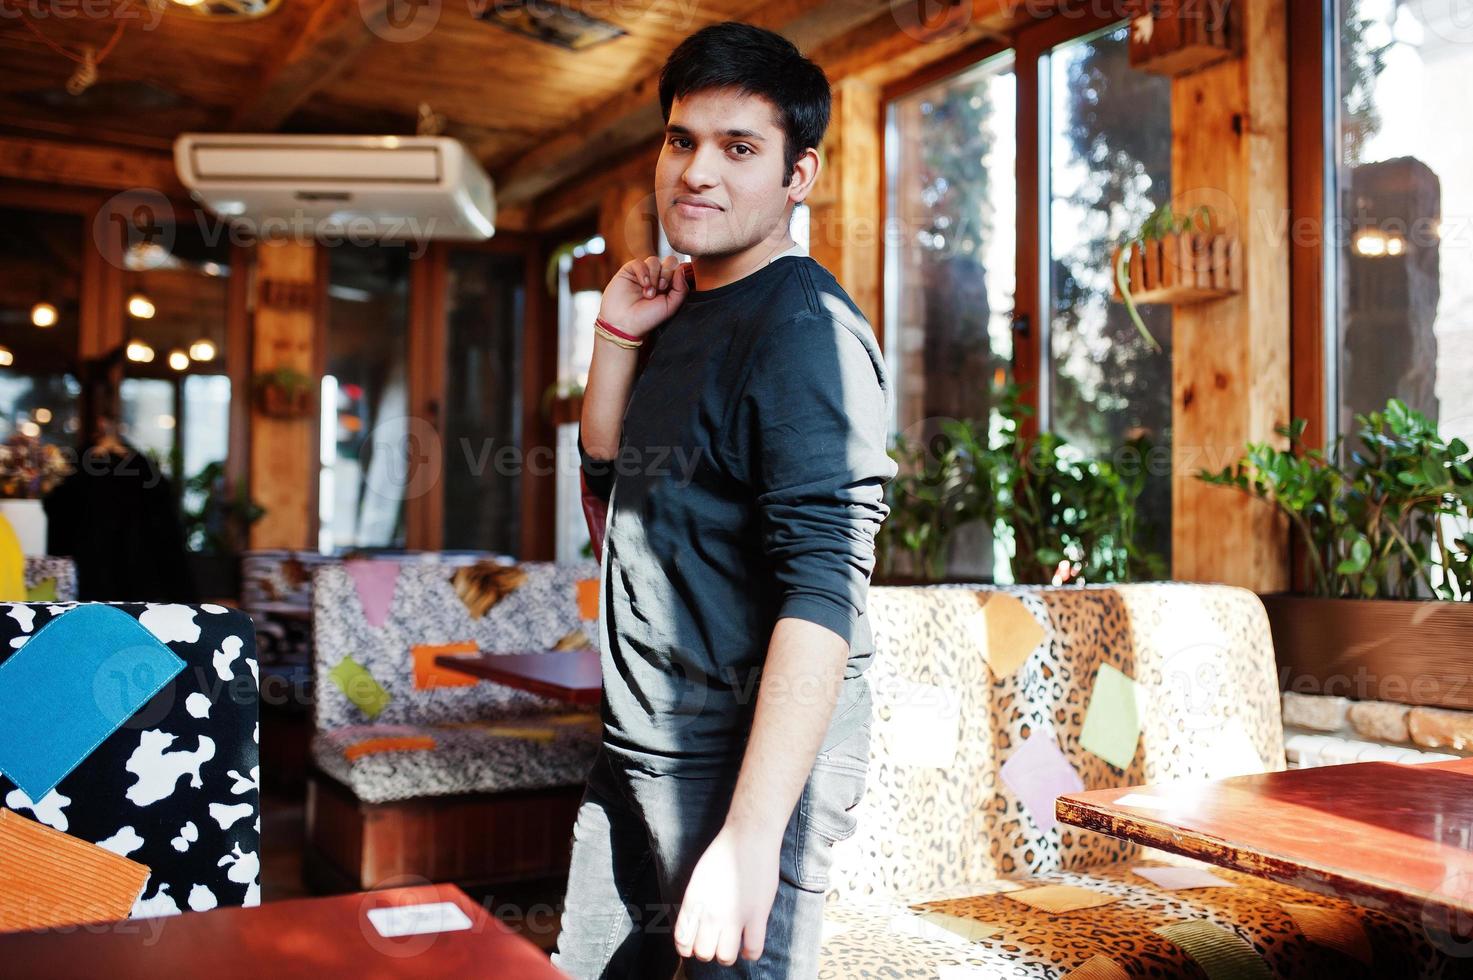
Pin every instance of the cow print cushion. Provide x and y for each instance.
(189, 757)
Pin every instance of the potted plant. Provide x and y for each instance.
(1174, 258)
(1384, 535)
(218, 515)
(1066, 518)
(29, 469)
(284, 393)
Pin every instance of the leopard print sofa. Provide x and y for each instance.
(964, 677)
(438, 734)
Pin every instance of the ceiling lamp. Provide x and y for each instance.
(202, 350)
(138, 351)
(44, 315)
(225, 9)
(140, 307)
(178, 360)
(6, 358)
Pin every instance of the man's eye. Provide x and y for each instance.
(744, 149)
(679, 141)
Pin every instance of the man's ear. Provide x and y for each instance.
(805, 172)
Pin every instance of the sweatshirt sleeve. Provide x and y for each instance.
(598, 474)
(810, 427)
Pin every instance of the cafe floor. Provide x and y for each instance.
(532, 908)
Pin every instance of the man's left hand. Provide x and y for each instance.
(729, 897)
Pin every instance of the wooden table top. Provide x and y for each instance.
(571, 675)
(1387, 836)
(312, 939)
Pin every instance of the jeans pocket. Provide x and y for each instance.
(828, 808)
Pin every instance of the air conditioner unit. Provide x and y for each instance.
(393, 188)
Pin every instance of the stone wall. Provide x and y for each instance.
(1321, 730)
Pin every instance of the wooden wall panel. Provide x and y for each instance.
(1230, 371)
(846, 206)
(284, 455)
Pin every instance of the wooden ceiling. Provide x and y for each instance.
(536, 114)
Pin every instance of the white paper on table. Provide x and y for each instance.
(925, 724)
(417, 920)
(1144, 801)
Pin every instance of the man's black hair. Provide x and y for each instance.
(756, 62)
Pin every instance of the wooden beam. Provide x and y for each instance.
(284, 451)
(884, 50)
(338, 32)
(1230, 360)
(632, 117)
(82, 165)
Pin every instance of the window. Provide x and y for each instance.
(1402, 282)
(576, 310)
(950, 260)
(176, 396)
(1107, 166)
(483, 401)
(365, 400)
(41, 259)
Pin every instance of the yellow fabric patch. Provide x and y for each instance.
(375, 746)
(12, 565)
(49, 879)
(429, 675)
(1061, 898)
(964, 927)
(1332, 928)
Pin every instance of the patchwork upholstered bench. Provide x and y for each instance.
(420, 770)
(989, 702)
(49, 578)
(128, 761)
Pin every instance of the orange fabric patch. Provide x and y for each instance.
(1062, 898)
(429, 675)
(1099, 967)
(588, 598)
(401, 743)
(50, 879)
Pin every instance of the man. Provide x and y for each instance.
(744, 467)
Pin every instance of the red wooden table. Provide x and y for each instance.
(1387, 836)
(311, 939)
(571, 675)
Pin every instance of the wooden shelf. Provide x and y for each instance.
(1178, 269)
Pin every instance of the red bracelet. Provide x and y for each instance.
(613, 329)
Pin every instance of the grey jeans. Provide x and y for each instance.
(637, 839)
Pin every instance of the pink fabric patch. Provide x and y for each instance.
(375, 581)
(1038, 773)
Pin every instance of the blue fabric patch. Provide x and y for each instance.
(71, 685)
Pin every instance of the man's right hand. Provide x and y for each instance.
(645, 293)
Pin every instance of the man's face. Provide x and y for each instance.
(719, 180)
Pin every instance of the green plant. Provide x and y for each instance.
(289, 380)
(1065, 518)
(221, 521)
(1377, 526)
(1161, 222)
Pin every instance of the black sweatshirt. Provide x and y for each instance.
(748, 487)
